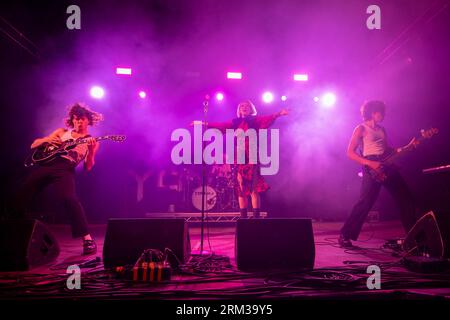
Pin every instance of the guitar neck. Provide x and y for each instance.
(397, 154)
(84, 140)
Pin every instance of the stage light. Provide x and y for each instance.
(300, 77)
(142, 94)
(316, 99)
(283, 98)
(97, 92)
(267, 97)
(234, 75)
(328, 99)
(219, 96)
(125, 71)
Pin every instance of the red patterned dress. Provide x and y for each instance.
(248, 177)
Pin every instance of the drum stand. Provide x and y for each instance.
(186, 183)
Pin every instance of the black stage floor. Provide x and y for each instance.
(337, 273)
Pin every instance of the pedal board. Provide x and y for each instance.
(147, 272)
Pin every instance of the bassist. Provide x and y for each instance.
(371, 138)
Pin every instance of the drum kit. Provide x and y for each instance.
(220, 193)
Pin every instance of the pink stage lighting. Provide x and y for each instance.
(126, 71)
(234, 75)
(142, 94)
(328, 99)
(219, 96)
(316, 99)
(283, 98)
(267, 97)
(300, 77)
(97, 92)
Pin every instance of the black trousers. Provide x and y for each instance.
(60, 173)
(370, 189)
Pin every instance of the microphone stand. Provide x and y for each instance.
(205, 112)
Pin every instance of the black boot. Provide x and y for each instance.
(256, 213)
(243, 213)
(344, 242)
(89, 247)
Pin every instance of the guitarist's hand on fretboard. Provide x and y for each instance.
(410, 146)
(92, 144)
(425, 134)
(378, 169)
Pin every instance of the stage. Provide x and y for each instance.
(337, 274)
(308, 114)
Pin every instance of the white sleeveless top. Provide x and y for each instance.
(77, 154)
(373, 141)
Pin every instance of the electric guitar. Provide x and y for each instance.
(47, 152)
(387, 159)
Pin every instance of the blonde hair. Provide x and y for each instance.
(252, 106)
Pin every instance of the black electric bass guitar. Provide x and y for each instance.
(47, 152)
(388, 159)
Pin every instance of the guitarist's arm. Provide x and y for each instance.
(410, 146)
(93, 146)
(53, 138)
(355, 141)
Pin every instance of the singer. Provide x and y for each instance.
(249, 179)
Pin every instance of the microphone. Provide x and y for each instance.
(206, 102)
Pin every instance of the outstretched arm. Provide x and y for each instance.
(265, 122)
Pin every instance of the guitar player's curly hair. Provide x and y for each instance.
(79, 109)
(369, 107)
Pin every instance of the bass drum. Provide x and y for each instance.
(210, 198)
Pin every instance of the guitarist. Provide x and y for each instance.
(61, 171)
(371, 138)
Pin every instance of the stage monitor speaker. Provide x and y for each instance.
(126, 239)
(430, 236)
(274, 244)
(26, 244)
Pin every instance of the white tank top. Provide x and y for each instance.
(77, 154)
(373, 141)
